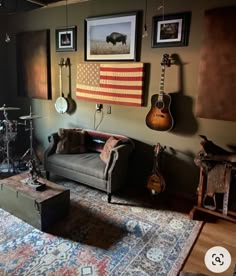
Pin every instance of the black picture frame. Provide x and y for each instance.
(111, 37)
(171, 30)
(66, 39)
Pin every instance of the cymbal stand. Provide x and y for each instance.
(8, 159)
(30, 150)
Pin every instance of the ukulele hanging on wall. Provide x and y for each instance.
(159, 117)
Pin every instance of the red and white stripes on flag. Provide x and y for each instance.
(110, 83)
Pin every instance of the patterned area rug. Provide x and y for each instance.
(97, 238)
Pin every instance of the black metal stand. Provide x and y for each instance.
(30, 150)
(7, 139)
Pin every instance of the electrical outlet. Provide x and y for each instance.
(108, 109)
(99, 107)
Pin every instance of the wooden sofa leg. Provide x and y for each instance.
(109, 197)
(47, 175)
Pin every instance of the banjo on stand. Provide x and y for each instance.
(61, 103)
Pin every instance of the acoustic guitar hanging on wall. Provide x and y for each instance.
(159, 117)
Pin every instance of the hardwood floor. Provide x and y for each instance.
(219, 233)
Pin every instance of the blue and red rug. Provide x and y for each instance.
(97, 238)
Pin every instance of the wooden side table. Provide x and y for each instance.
(225, 213)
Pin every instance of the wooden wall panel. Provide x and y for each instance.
(217, 77)
(33, 64)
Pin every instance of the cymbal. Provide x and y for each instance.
(29, 117)
(8, 108)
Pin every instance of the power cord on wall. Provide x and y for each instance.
(100, 111)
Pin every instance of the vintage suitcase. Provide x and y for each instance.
(41, 209)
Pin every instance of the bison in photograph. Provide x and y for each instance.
(116, 37)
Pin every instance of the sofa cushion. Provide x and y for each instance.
(95, 140)
(85, 163)
(109, 145)
(71, 141)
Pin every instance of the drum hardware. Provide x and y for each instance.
(10, 129)
(4, 108)
(8, 159)
(29, 117)
(9, 135)
(30, 150)
(22, 124)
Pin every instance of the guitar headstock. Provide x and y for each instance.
(62, 62)
(166, 61)
(159, 148)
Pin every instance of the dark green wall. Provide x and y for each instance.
(3, 58)
(183, 142)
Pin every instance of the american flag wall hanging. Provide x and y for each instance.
(111, 83)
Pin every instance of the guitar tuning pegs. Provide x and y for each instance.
(166, 60)
(62, 63)
(67, 62)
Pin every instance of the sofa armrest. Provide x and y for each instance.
(117, 166)
(53, 140)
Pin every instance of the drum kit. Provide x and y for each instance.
(8, 133)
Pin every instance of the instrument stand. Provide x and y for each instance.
(8, 160)
(30, 151)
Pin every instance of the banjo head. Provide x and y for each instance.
(61, 105)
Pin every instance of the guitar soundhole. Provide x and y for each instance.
(159, 105)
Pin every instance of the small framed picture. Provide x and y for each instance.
(112, 37)
(66, 39)
(171, 30)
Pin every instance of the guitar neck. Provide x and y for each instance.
(161, 88)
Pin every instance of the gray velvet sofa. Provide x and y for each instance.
(87, 167)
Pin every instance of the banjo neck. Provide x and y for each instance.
(61, 64)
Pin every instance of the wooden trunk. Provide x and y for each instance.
(41, 209)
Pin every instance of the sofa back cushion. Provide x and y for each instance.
(71, 141)
(109, 145)
(78, 140)
(96, 140)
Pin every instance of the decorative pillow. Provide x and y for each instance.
(109, 145)
(71, 141)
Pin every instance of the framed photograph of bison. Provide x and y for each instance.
(112, 37)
